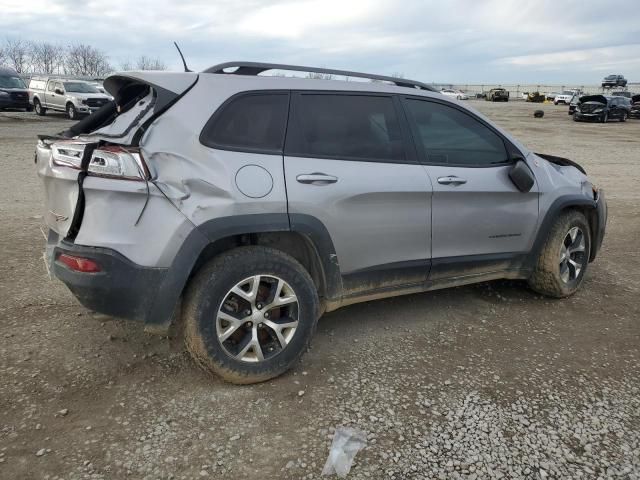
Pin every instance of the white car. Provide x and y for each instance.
(565, 97)
(460, 95)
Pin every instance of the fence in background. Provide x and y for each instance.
(516, 91)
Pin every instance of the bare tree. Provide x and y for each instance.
(126, 65)
(46, 57)
(319, 76)
(85, 60)
(147, 63)
(16, 52)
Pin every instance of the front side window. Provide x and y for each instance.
(51, 87)
(450, 136)
(350, 127)
(251, 122)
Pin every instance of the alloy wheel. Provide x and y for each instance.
(257, 318)
(572, 255)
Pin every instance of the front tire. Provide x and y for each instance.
(71, 112)
(604, 118)
(250, 314)
(624, 117)
(40, 110)
(564, 257)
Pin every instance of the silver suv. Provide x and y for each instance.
(247, 205)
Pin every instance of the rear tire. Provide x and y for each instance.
(40, 110)
(238, 336)
(563, 259)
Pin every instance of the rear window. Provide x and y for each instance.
(357, 127)
(252, 122)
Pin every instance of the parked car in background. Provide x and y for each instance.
(564, 97)
(602, 108)
(497, 95)
(634, 112)
(224, 212)
(458, 94)
(535, 97)
(13, 91)
(614, 81)
(551, 96)
(574, 103)
(75, 97)
(622, 93)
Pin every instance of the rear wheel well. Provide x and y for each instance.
(295, 244)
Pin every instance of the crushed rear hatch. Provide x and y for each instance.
(62, 160)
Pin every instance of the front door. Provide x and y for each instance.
(481, 222)
(348, 166)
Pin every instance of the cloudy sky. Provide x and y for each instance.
(445, 41)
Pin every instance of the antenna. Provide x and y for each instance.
(186, 69)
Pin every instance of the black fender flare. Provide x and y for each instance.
(170, 290)
(559, 204)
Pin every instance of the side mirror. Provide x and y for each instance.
(522, 176)
(58, 91)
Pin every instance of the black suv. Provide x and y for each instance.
(13, 91)
(614, 81)
(602, 109)
(635, 107)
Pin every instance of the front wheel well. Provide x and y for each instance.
(591, 215)
(295, 244)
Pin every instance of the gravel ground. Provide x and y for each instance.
(486, 381)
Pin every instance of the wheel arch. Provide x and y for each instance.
(303, 237)
(566, 202)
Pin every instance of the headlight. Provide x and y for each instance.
(4, 94)
(84, 102)
(598, 110)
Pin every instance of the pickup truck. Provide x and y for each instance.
(74, 97)
(497, 95)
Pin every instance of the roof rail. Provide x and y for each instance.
(256, 68)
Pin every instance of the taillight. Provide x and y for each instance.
(118, 162)
(68, 154)
(79, 264)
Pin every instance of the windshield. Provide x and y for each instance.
(79, 87)
(567, 92)
(11, 82)
(611, 77)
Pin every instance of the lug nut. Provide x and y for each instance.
(249, 324)
(247, 313)
(266, 315)
(258, 306)
(260, 325)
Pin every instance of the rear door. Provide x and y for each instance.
(348, 165)
(481, 222)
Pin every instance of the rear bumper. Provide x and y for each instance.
(600, 228)
(121, 289)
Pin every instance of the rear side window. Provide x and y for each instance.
(252, 122)
(449, 136)
(349, 127)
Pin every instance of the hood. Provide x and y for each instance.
(7, 89)
(565, 162)
(594, 98)
(84, 96)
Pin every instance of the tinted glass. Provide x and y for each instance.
(10, 81)
(358, 127)
(79, 87)
(450, 136)
(250, 122)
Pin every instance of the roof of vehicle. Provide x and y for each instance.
(256, 68)
(8, 71)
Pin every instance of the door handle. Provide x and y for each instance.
(451, 180)
(316, 178)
